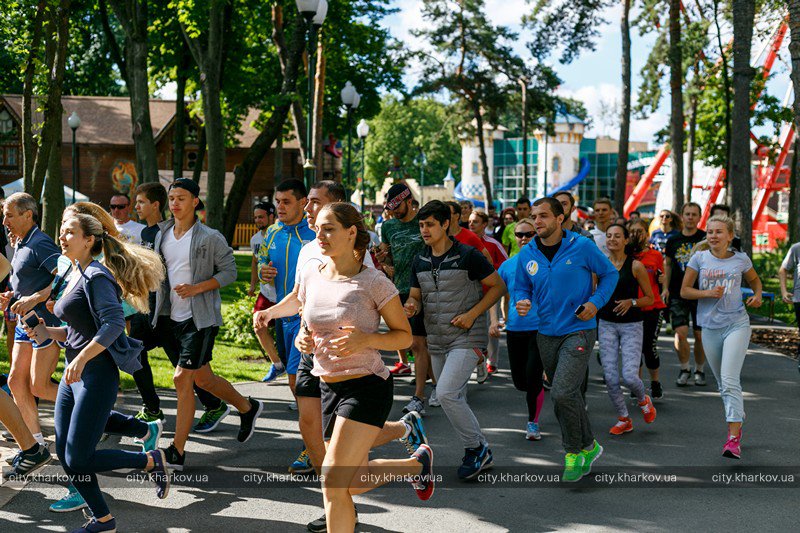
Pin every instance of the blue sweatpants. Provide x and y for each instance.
(83, 413)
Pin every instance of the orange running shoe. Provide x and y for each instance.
(625, 425)
(648, 410)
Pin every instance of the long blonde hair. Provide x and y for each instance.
(137, 269)
(94, 210)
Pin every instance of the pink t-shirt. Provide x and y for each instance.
(331, 304)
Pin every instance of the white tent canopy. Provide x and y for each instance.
(19, 186)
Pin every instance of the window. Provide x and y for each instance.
(475, 168)
(576, 164)
(11, 156)
(6, 123)
(191, 160)
(556, 164)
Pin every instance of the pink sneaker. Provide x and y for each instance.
(733, 448)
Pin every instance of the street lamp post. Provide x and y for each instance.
(363, 130)
(314, 11)
(74, 122)
(350, 99)
(422, 160)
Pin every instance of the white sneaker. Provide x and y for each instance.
(433, 400)
(482, 372)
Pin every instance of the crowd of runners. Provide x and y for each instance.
(439, 284)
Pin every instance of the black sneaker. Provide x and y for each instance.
(700, 378)
(12, 460)
(320, 525)
(248, 420)
(683, 378)
(656, 392)
(160, 472)
(175, 459)
(8, 436)
(29, 462)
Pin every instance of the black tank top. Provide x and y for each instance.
(627, 287)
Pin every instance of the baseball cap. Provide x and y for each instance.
(191, 186)
(266, 206)
(396, 195)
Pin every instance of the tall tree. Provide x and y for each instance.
(740, 177)
(472, 61)
(794, 50)
(676, 107)
(29, 147)
(625, 120)
(204, 28)
(131, 60)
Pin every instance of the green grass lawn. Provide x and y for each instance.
(234, 363)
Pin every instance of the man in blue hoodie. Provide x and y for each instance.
(555, 270)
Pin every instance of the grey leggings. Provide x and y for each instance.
(626, 338)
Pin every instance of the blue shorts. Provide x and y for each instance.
(21, 336)
(291, 327)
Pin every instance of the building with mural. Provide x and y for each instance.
(106, 154)
(586, 166)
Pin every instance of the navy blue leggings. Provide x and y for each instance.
(83, 413)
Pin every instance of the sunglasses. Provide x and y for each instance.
(665, 216)
(524, 234)
(119, 206)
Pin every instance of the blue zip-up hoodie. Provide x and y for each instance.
(282, 245)
(560, 287)
(514, 322)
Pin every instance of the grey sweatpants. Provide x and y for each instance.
(627, 339)
(452, 371)
(565, 360)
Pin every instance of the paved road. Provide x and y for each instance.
(685, 440)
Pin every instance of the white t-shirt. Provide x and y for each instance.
(131, 231)
(311, 253)
(177, 253)
(600, 240)
(267, 289)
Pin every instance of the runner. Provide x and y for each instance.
(264, 217)
(402, 235)
(523, 352)
(568, 204)
(523, 210)
(343, 303)
(603, 217)
(722, 314)
(97, 348)
(791, 263)
(652, 317)
(32, 455)
(446, 281)
(620, 330)
(677, 253)
(408, 430)
(669, 225)
(478, 224)
(466, 211)
(121, 211)
(555, 270)
(724, 210)
(32, 270)
(190, 298)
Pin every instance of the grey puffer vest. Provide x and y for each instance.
(446, 293)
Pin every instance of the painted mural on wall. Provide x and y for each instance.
(123, 177)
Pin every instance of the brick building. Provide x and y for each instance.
(106, 155)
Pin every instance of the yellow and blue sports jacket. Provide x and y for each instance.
(282, 245)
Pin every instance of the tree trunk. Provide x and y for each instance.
(208, 57)
(277, 165)
(794, 188)
(319, 105)
(179, 140)
(200, 161)
(298, 120)
(243, 174)
(676, 89)
(726, 85)
(28, 142)
(621, 182)
(53, 111)
(132, 16)
(691, 146)
(53, 200)
(740, 179)
(487, 184)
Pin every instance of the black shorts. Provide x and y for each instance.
(306, 384)
(185, 346)
(417, 322)
(141, 329)
(681, 311)
(367, 400)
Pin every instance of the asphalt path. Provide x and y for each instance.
(667, 476)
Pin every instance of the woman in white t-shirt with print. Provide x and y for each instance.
(343, 303)
(723, 317)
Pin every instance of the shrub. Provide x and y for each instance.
(237, 318)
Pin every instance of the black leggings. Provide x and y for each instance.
(526, 366)
(651, 327)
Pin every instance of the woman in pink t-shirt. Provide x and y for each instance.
(343, 303)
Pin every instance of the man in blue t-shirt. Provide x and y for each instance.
(32, 270)
(556, 270)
